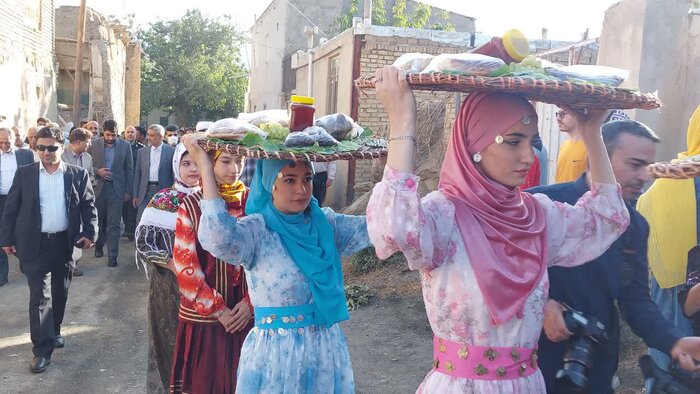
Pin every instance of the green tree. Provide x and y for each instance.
(418, 19)
(421, 16)
(400, 19)
(192, 68)
(344, 21)
(379, 13)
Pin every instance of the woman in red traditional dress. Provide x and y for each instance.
(215, 312)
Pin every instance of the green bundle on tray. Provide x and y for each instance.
(266, 134)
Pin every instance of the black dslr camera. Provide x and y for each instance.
(577, 359)
(677, 381)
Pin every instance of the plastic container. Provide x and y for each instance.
(513, 47)
(302, 113)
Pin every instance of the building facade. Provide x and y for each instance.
(27, 62)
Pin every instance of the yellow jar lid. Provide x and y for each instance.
(516, 44)
(302, 100)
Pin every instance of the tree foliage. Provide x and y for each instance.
(418, 19)
(192, 67)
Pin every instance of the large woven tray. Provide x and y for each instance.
(574, 94)
(234, 149)
(679, 169)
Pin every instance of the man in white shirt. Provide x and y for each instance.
(154, 169)
(324, 175)
(10, 159)
(50, 208)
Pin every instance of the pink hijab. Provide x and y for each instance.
(503, 229)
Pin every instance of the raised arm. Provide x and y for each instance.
(397, 219)
(578, 234)
(188, 269)
(225, 237)
(350, 232)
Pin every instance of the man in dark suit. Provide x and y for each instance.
(129, 212)
(47, 204)
(11, 158)
(154, 169)
(114, 171)
(614, 284)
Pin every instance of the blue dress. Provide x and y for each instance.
(304, 359)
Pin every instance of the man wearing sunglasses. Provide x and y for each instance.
(572, 161)
(113, 166)
(47, 204)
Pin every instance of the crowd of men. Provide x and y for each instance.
(107, 176)
(115, 173)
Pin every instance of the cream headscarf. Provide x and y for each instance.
(670, 207)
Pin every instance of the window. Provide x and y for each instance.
(333, 74)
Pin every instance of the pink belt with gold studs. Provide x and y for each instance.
(483, 362)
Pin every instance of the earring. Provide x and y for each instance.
(477, 157)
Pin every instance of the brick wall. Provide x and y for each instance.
(27, 61)
(377, 52)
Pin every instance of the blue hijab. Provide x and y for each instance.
(308, 238)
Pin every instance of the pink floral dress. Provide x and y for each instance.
(426, 232)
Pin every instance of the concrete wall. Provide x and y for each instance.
(659, 42)
(107, 62)
(268, 51)
(154, 117)
(27, 61)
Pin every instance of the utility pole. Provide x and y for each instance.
(310, 33)
(368, 12)
(79, 63)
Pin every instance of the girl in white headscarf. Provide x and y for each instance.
(155, 236)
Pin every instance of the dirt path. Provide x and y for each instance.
(106, 344)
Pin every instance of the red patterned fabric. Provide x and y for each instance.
(205, 357)
(206, 283)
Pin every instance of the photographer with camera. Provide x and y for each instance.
(579, 349)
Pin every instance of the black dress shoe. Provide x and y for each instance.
(112, 262)
(77, 272)
(39, 364)
(60, 342)
(99, 252)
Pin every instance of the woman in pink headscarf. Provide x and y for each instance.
(481, 245)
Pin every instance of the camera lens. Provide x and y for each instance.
(577, 360)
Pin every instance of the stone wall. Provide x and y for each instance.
(435, 110)
(27, 62)
(107, 54)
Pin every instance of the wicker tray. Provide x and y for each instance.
(577, 95)
(679, 169)
(234, 149)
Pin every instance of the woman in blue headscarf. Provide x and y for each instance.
(290, 249)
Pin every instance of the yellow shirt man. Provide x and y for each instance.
(572, 161)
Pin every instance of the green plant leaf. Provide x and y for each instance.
(252, 139)
(348, 146)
